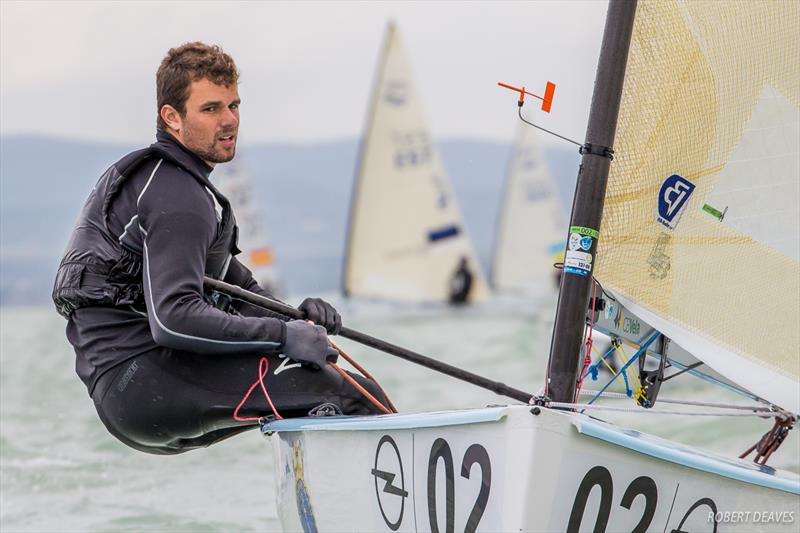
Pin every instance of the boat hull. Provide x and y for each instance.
(507, 469)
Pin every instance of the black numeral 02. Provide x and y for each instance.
(474, 454)
(601, 477)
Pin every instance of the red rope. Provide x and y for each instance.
(587, 360)
(263, 369)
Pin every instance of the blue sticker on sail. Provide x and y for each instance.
(586, 243)
(672, 200)
(443, 233)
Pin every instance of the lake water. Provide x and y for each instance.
(61, 470)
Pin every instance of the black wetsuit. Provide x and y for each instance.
(164, 365)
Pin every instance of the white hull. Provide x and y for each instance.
(506, 469)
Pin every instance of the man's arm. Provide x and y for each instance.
(240, 275)
(179, 224)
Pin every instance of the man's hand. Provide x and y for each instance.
(308, 344)
(322, 313)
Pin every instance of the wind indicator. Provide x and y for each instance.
(547, 103)
(547, 99)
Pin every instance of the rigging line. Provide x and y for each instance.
(634, 376)
(519, 112)
(641, 350)
(618, 395)
(601, 359)
(690, 367)
(565, 405)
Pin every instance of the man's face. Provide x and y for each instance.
(211, 124)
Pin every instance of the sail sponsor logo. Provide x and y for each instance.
(396, 92)
(411, 149)
(536, 191)
(631, 326)
(672, 200)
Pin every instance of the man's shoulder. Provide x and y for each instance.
(168, 183)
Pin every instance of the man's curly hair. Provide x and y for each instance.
(185, 64)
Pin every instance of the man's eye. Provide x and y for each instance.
(234, 106)
(210, 109)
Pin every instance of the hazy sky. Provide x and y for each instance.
(87, 69)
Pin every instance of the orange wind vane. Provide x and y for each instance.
(547, 99)
(547, 103)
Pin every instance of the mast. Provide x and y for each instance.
(587, 206)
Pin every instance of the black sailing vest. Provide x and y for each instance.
(97, 270)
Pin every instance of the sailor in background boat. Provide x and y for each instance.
(166, 361)
(461, 283)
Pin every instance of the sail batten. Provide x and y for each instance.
(700, 228)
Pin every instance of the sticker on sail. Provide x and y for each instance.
(672, 200)
(577, 262)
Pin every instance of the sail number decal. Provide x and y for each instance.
(600, 476)
(475, 455)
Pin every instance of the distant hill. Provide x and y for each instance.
(304, 190)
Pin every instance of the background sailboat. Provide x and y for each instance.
(406, 234)
(532, 223)
(257, 255)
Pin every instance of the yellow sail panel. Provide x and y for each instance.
(701, 221)
(407, 235)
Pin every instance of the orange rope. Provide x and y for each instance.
(365, 373)
(360, 389)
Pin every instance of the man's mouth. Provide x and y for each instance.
(227, 140)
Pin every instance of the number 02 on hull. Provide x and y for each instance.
(508, 469)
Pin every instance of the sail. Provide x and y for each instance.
(406, 235)
(257, 255)
(530, 237)
(700, 227)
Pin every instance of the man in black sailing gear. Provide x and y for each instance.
(165, 361)
(461, 283)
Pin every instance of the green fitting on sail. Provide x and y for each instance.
(716, 213)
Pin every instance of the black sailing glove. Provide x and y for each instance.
(308, 345)
(322, 313)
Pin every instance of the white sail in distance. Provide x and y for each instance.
(257, 255)
(406, 235)
(701, 225)
(532, 223)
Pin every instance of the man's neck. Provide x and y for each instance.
(180, 141)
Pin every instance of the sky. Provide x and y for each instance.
(86, 70)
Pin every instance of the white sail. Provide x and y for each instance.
(406, 233)
(701, 226)
(256, 255)
(530, 237)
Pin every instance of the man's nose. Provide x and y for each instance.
(230, 118)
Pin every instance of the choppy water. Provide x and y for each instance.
(61, 470)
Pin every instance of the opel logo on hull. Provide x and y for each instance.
(390, 485)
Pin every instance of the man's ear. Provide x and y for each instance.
(171, 117)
